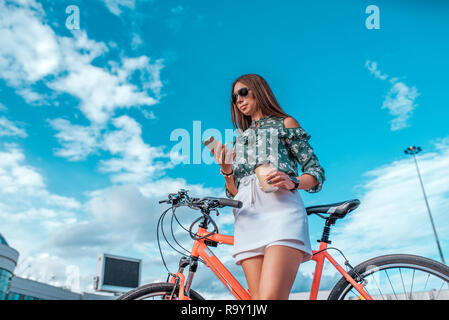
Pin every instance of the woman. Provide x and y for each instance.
(271, 234)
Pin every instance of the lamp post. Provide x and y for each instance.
(414, 151)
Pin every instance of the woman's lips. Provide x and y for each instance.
(243, 106)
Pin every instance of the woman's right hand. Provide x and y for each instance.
(224, 157)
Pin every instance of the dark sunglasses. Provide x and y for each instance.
(243, 92)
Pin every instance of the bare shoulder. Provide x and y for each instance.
(290, 122)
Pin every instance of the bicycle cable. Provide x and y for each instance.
(173, 234)
(158, 240)
(160, 228)
(347, 264)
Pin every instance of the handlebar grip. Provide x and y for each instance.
(230, 203)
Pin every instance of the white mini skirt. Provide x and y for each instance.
(268, 218)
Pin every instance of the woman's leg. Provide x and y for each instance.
(280, 265)
(252, 268)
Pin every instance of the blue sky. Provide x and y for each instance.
(86, 117)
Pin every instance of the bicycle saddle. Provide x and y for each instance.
(337, 210)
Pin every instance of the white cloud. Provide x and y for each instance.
(372, 67)
(28, 210)
(136, 160)
(17, 178)
(31, 52)
(101, 91)
(400, 100)
(116, 6)
(8, 128)
(77, 141)
(392, 217)
(28, 48)
(133, 161)
(177, 10)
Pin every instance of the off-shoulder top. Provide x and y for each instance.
(270, 141)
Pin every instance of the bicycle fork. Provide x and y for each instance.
(179, 279)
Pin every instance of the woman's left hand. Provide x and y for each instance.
(279, 179)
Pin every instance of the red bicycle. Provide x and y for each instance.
(395, 276)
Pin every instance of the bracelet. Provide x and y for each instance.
(226, 174)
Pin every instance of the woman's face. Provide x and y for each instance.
(247, 105)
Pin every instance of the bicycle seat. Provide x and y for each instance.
(337, 210)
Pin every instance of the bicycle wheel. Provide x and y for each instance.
(156, 291)
(397, 277)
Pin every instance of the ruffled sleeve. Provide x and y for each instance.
(297, 141)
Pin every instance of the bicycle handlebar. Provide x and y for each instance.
(205, 203)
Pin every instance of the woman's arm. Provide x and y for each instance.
(230, 185)
(313, 174)
(307, 181)
(224, 157)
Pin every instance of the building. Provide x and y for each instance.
(15, 288)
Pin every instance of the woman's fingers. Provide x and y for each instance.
(275, 179)
(217, 152)
(272, 173)
(229, 156)
(223, 155)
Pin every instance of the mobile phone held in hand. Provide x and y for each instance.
(210, 143)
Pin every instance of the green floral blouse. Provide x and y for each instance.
(270, 141)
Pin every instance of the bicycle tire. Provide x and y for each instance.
(387, 262)
(163, 289)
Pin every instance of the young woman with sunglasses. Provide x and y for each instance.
(271, 236)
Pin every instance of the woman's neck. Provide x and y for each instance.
(257, 115)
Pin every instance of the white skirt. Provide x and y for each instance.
(266, 218)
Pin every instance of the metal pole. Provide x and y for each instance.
(413, 151)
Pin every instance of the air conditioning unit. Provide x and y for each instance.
(117, 274)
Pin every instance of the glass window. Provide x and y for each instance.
(5, 277)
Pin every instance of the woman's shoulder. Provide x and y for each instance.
(292, 130)
(282, 121)
(290, 122)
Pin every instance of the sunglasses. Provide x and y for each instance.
(243, 92)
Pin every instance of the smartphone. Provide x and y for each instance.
(210, 143)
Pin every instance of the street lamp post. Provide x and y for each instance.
(414, 151)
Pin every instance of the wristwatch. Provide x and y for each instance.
(296, 182)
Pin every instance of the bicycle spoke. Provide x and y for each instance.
(419, 278)
(436, 298)
(425, 285)
(391, 284)
(403, 285)
(411, 288)
(378, 289)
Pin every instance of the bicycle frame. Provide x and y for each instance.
(318, 257)
(200, 249)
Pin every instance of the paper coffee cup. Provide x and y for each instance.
(261, 173)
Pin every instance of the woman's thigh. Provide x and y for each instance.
(280, 265)
(252, 267)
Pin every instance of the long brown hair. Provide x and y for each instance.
(265, 101)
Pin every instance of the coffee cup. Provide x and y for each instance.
(261, 171)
